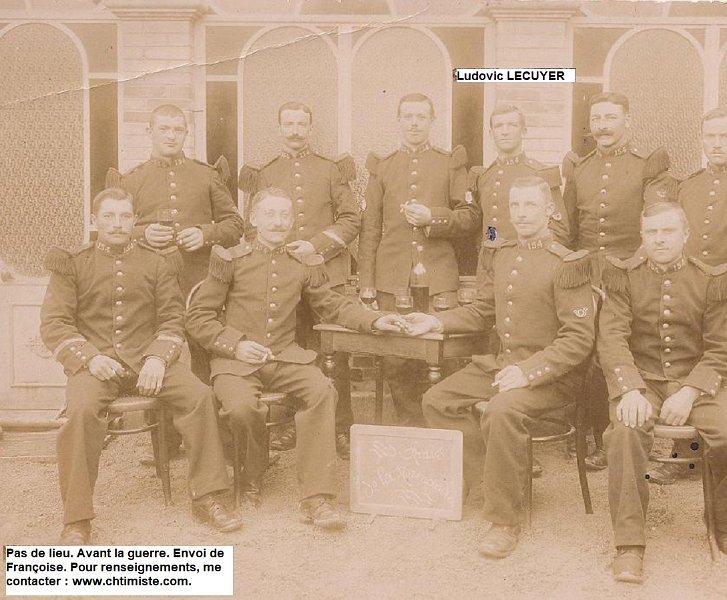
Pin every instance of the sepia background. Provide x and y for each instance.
(79, 78)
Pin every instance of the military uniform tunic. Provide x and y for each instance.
(196, 196)
(260, 289)
(604, 197)
(538, 294)
(704, 198)
(491, 185)
(325, 212)
(123, 303)
(660, 330)
(428, 176)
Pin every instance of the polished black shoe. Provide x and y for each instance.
(284, 441)
(77, 533)
(500, 541)
(210, 510)
(343, 446)
(628, 565)
(252, 493)
(596, 461)
(667, 473)
(321, 512)
(537, 468)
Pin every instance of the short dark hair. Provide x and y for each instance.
(504, 109)
(715, 113)
(167, 110)
(612, 97)
(415, 98)
(295, 106)
(267, 193)
(658, 208)
(113, 193)
(533, 181)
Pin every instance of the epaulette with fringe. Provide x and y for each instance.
(316, 271)
(570, 161)
(223, 168)
(58, 260)
(639, 258)
(346, 166)
(222, 265)
(614, 275)
(717, 286)
(474, 175)
(551, 175)
(203, 163)
(113, 178)
(247, 180)
(575, 270)
(657, 162)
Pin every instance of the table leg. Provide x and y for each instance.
(379, 406)
(434, 374)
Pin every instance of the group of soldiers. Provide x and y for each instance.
(114, 311)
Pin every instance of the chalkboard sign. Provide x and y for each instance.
(406, 471)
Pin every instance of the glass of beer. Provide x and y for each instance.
(368, 295)
(441, 303)
(404, 302)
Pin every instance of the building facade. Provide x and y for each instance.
(80, 77)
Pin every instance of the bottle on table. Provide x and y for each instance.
(419, 279)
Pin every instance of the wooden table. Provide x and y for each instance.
(432, 348)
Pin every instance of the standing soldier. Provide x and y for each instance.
(260, 285)
(415, 195)
(491, 185)
(183, 202)
(663, 347)
(327, 220)
(603, 197)
(113, 316)
(538, 294)
(703, 196)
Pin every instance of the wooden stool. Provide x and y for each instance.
(272, 401)
(158, 429)
(687, 432)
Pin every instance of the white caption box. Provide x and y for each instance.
(118, 571)
(527, 75)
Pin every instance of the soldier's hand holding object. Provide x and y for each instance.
(510, 378)
(252, 352)
(158, 235)
(634, 409)
(104, 367)
(417, 214)
(421, 323)
(389, 323)
(301, 248)
(190, 239)
(677, 407)
(151, 376)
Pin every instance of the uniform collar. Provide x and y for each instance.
(509, 161)
(423, 148)
(715, 170)
(114, 250)
(168, 162)
(535, 244)
(304, 152)
(620, 151)
(677, 266)
(260, 247)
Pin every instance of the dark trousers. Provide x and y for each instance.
(81, 437)
(494, 446)
(314, 421)
(307, 337)
(628, 459)
(406, 377)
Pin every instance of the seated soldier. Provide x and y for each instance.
(538, 294)
(113, 317)
(663, 347)
(260, 284)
